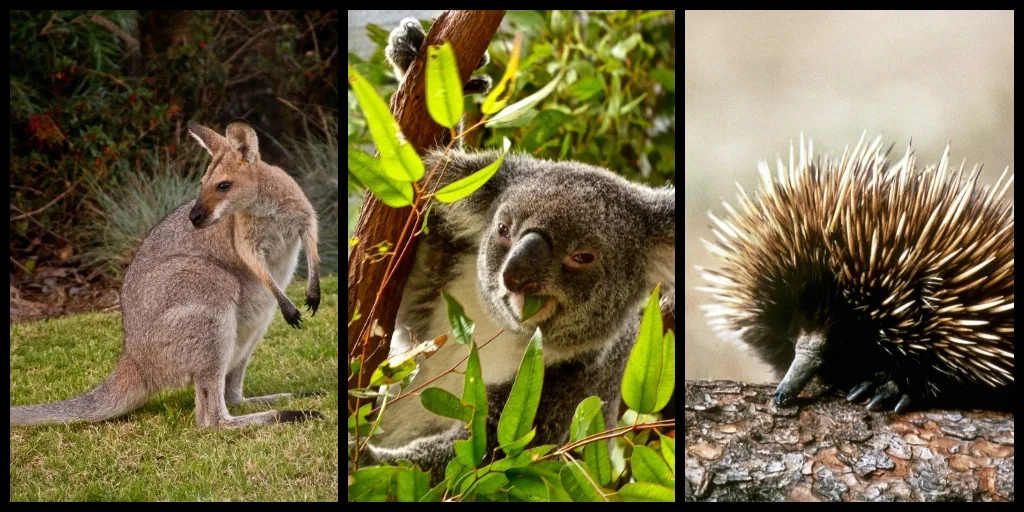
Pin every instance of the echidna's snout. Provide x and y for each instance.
(809, 348)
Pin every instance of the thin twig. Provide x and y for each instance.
(51, 203)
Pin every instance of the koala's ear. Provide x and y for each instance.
(661, 256)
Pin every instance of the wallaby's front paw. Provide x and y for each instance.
(312, 301)
(291, 314)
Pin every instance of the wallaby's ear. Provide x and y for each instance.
(243, 139)
(210, 140)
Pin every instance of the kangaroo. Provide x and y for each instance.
(202, 289)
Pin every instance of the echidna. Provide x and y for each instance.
(882, 279)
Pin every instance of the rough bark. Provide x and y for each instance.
(741, 447)
(469, 32)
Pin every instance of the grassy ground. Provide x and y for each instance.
(157, 453)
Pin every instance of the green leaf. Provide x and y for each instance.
(502, 91)
(471, 451)
(527, 486)
(579, 486)
(462, 326)
(455, 471)
(517, 417)
(586, 412)
(530, 21)
(443, 403)
(632, 104)
(522, 459)
(377, 34)
(372, 483)
(466, 186)
(411, 485)
(532, 304)
(587, 421)
(665, 77)
(444, 87)
(522, 106)
(622, 48)
(586, 88)
(360, 417)
(368, 172)
(648, 466)
(387, 374)
(668, 451)
(650, 371)
(491, 483)
(398, 159)
(645, 491)
(518, 445)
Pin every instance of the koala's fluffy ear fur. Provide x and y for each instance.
(661, 265)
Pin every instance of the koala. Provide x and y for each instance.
(589, 243)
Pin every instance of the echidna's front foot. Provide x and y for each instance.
(885, 390)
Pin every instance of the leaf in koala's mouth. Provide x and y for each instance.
(533, 304)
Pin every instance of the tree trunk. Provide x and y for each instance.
(469, 33)
(741, 447)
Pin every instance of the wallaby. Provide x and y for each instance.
(202, 290)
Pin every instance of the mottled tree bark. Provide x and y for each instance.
(741, 447)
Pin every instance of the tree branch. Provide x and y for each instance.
(469, 32)
(741, 447)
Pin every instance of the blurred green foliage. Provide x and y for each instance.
(99, 100)
(615, 107)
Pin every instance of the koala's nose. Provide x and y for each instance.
(528, 264)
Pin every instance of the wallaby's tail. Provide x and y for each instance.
(122, 392)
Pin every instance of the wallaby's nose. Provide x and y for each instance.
(196, 215)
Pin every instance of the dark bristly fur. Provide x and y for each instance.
(882, 279)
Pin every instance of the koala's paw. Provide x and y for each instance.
(404, 45)
(480, 84)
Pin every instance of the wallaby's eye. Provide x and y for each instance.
(503, 230)
(223, 186)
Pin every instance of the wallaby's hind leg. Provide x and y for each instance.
(233, 391)
(233, 383)
(215, 391)
(212, 409)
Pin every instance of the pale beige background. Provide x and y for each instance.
(755, 80)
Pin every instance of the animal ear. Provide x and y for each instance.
(242, 138)
(661, 255)
(210, 140)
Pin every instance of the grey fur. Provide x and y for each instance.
(202, 289)
(572, 206)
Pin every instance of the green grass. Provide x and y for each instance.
(157, 453)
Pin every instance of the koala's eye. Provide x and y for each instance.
(503, 230)
(580, 260)
(223, 186)
(583, 258)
